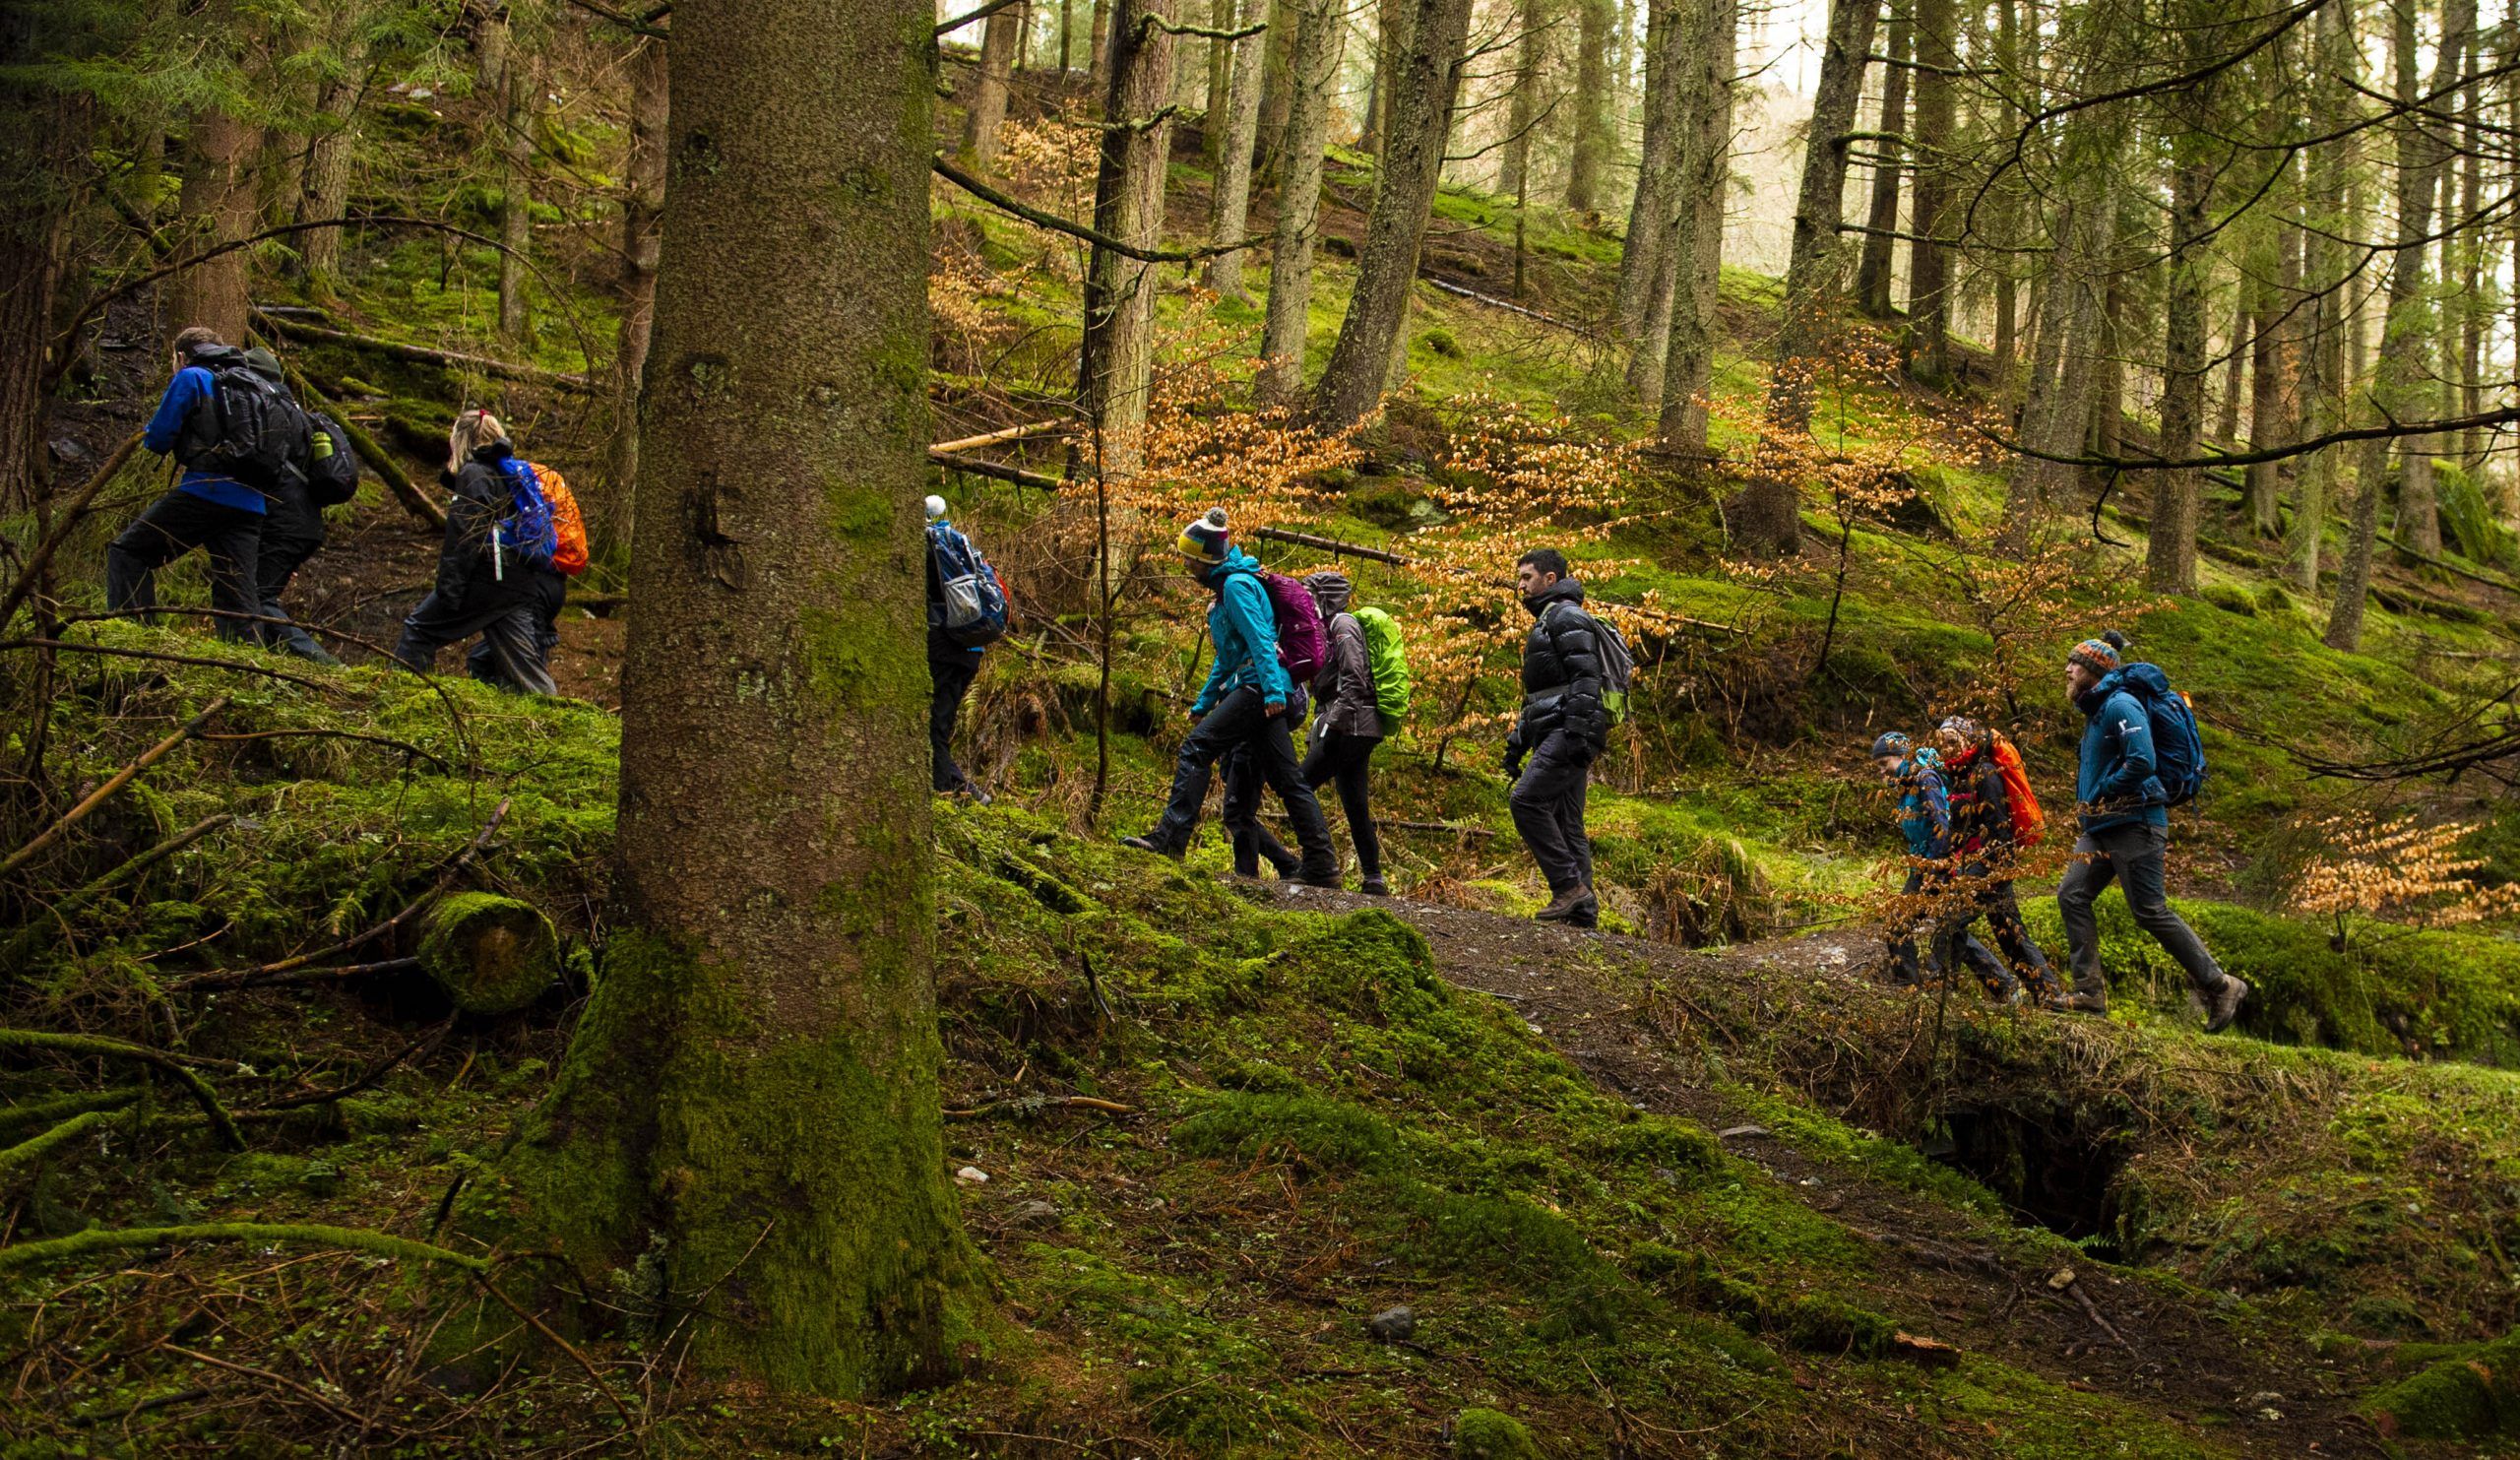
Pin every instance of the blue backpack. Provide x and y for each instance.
(970, 605)
(2178, 751)
(525, 535)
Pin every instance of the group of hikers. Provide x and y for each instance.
(1968, 813)
(257, 469)
(1965, 804)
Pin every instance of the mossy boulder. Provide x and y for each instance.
(1485, 1435)
(491, 954)
(2472, 1395)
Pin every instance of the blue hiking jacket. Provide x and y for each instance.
(190, 387)
(2115, 786)
(1244, 630)
(1924, 809)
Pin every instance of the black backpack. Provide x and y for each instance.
(332, 471)
(246, 428)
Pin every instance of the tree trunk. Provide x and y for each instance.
(2227, 402)
(1646, 263)
(43, 135)
(2269, 412)
(1873, 255)
(2009, 122)
(1217, 118)
(1267, 158)
(610, 520)
(1766, 516)
(1929, 281)
(1710, 35)
(1230, 216)
(1522, 112)
(1320, 29)
(1413, 161)
(987, 112)
(1592, 99)
(2065, 348)
(1067, 38)
(215, 206)
(2107, 387)
(2402, 386)
(749, 1107)
(1099, 62)
(2320, 224)
(510, 78)
(2169, 554)
(324, 184)
(1115, 371)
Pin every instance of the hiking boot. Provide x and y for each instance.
(2226, 1003)
(2077, 1003)
(1574, 900)
(1375, 887)
(1149, 844)
(1328, 879)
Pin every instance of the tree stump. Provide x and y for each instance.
(491, 954)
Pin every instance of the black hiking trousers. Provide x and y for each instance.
(1995, 900)
(1547, 801)
(951, 680)
(286, 545)
(1947, 934)
(509, 621)
(1335, 757)
(174, 525)
(1240, 720)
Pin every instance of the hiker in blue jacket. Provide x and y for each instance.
(482, 587)
(218, 513)
(2125, 837)
(1243, 702)
(1924, 820)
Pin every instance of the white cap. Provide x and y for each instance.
(935, 508)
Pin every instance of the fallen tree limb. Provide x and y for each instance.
(365, 1078)
(110, 651)
(67, 1131)
(981, 467)
(62, 525)
(1034, 1105)
(1006, 202)
(445, 878)
(61, 1107)
(123, 1238)
(298, 329)
(338, 1411)
(991, 438)
(1492, 302)
(256, 979)
(58, 915)
(104, 792)
(2449, 567)
(158, 1059)
(387, 470)
(406, 746)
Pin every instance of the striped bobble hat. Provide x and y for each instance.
(2100, 656)
(1203, 540)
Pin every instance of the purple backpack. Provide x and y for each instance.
(1303, 645)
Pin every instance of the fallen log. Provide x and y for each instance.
(1332, 545)
(992, 438)
(298, 329)
(491, 954)
(983, 467)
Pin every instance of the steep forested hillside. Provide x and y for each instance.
(399, 1064)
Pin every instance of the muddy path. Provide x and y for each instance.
(2209, 1363)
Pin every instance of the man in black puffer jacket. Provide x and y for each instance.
(1563, 726)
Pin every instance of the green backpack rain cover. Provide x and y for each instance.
(1390, 661)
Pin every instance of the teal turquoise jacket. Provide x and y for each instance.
(1244, 630)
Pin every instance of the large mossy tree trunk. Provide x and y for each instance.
(749, 1106)
(1320, 29)
(1422, 84)
(1766, 515)
(1590, 158)
(1709, 38)
(42, 133)
(1115, 368)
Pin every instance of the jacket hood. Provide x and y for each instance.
(1563, 591)
(1235, 561)
(1922, 757)
(2144, 679)
(491, 453)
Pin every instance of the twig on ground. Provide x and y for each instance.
(104, 792)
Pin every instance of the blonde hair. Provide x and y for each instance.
(473, 430)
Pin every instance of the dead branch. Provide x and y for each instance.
(58, 915)
(1333, 544)
(159, 1060)
(256, 979)
(110, 651)
(298, 329)
(991, 438)
(1034, 1105)
(345, 1238)
(981, 467)
(104, 792)
(62, 525)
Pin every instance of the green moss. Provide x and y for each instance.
(491, 954)
(2472, 1395)
(1485, 1435)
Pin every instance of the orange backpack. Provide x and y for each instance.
(2028, 821)
(568, 529)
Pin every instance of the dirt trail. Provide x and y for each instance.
(1941, 1273)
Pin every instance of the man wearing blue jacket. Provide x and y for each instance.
(2125, 837)
(217, 513)
(1244, 704)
